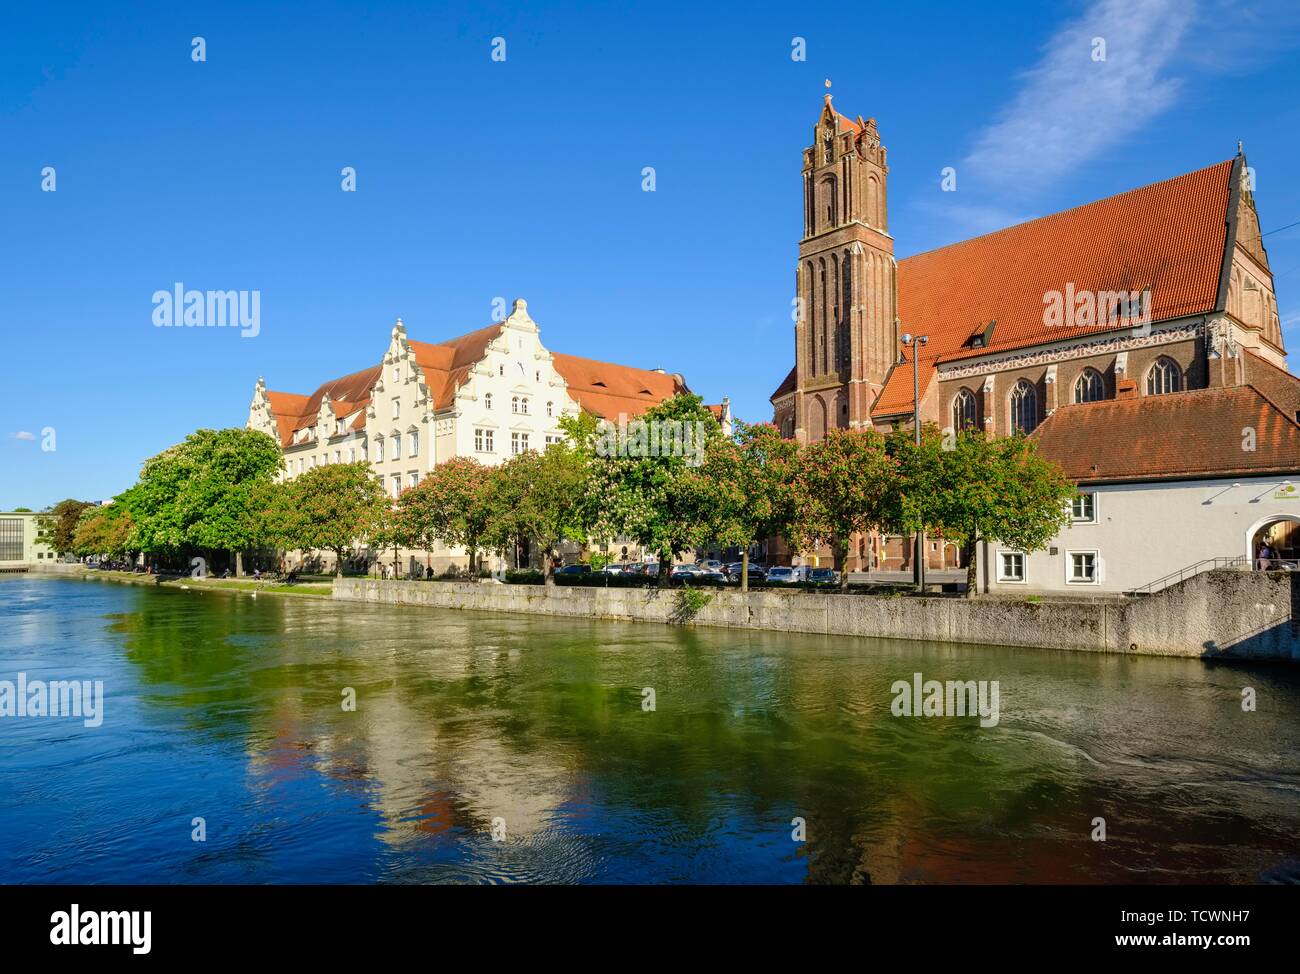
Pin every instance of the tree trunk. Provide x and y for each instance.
(744, 569)
(338, 563)
(239, 564)
(665, 568)
(548, 558)
(840, 554)
(970, 567)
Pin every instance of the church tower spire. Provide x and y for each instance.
(844, 334)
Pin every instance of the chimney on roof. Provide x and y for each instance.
(1126, 388)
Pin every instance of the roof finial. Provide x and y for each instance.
(1239, 147)
(828, 91)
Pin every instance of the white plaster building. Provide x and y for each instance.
(489, 394)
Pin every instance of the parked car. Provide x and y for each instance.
(712, 565)
(787, 575)
(613, 570)
(823, 576)
(574, 570)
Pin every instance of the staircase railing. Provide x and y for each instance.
(1204, 565)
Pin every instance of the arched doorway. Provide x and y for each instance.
(1281, 532)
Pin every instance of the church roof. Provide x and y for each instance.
(1178, 436)
(1169, 236)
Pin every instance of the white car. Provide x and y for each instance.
(785, 575)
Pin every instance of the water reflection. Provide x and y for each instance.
(229, 706)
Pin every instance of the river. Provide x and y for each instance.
(512, 749)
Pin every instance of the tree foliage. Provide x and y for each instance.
(450, 505)
(333, 507)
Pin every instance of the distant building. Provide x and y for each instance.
(20, 548)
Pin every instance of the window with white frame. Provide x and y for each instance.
(379, 448)
(550, 407)
(1081, 567)
(514, 443)
(396, 481)
(523, 405)
(487, 400)
(412, 478)
(414, 438)
(514, 404)
(1083, 508)
(1024, 407)
(394, 447)
(487, 442)
(336, 456)
(1011, 566)
(352, 454)
(397, 408)
(1165, 377)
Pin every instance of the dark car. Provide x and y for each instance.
(574, 570)
(823, 576)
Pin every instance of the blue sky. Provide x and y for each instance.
(481, 179)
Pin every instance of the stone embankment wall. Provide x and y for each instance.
(1222, 614)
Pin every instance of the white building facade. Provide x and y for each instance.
(489, 394)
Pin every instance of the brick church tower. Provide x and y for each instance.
(846, 279)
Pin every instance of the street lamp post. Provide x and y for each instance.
(918, 557)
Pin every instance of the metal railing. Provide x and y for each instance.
(1204, 565)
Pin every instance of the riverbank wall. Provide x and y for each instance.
(1228, 614)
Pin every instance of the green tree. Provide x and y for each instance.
(650, 493)
(999, 490)
(230, 471)
(751, 488)
(452, 504)
(843, 486)
(333, 508)
(542, 497)
(103, 531)
(57, 527)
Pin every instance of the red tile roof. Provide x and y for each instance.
(787, 385)
(1180, 436)
(607, 391)
(1169, 236)
(601, 388)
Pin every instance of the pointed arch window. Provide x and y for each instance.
(1165, 376)
(1089, 387)
(963, 410)
(1024, 407)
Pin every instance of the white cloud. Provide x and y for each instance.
(1071, 108)
(22, 435)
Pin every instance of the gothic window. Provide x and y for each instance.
(829, 147)
(1089, 386)
(1165, 376)
(963, 410)
(1024, 407)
